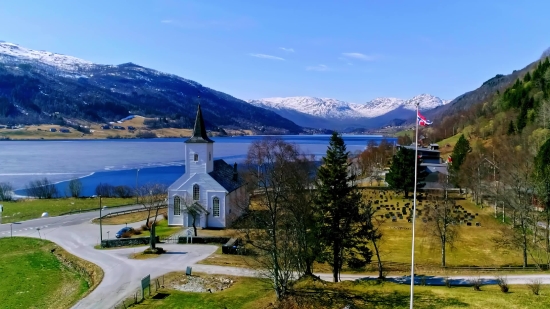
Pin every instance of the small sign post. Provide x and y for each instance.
(1, 210)
(145, 282)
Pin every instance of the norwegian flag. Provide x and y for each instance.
(422, 120)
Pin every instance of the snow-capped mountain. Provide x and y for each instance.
(59, 61)
(45, 87)
(336, 114)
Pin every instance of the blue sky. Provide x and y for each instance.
(348, 50)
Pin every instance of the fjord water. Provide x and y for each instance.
(116, 161)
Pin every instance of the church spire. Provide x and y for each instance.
(199, 131)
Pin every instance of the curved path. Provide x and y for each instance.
(122, 277)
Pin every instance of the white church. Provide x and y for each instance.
(211, 188)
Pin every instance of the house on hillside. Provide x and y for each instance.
(210, 190)
(432, 162)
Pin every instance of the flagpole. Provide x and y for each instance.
(414, 207)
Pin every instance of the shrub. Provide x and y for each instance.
(165, 216)
(105, 190)
(127, 234)
(123, 191)
(476, 283)
(41, 189)
(534, 286)
(503, 284)
(137, 231)
(6, 190)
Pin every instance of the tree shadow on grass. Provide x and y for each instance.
(356, 299)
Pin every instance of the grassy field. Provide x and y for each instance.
(162, 230)
(33, 208)
(475, 245)
(245, 293)
(33, 277)
(255, 293)
(127, 218)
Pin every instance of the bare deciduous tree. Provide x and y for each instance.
(193, 209)
(6, 191)
(151, 197)
(443, 227)
(518, 195)
(75, 187)
(276, 225)
(41, 189)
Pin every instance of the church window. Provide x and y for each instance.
(209, 156)
(177, 206)
(216, 207)
(196, 193)
(196, 157)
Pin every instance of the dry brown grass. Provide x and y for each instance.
(475, 246)
(127, 218)
(42, 131)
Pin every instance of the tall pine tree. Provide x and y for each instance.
(462, 148)
(339, 203)
(401, 175)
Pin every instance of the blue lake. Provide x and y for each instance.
(116, 161)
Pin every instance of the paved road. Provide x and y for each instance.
(122, 277)
(77, 235)
(28, 228)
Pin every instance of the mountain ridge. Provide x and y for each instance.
(337, 114)
(41, 87)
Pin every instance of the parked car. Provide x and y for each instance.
(122, 231)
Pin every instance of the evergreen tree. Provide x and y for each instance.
(511, 128)
(462, 148)
(401, 175)
(339, 204)
(527, 77)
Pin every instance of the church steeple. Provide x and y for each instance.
(199, 131)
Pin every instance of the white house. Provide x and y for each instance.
(212, 187)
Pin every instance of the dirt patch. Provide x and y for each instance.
(208, 284)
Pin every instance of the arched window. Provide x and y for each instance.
(216, 207)
(209, 156)
(177, 206)
(196, 157)
(196, 193)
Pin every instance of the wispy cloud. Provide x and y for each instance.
(167, 21)
(359, 56)
(288, 50)
(318, 68)
(264, 56)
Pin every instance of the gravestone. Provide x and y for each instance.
(478, 224)
(469, 223)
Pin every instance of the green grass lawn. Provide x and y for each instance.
(248, 293)
(34, 277)
(162, 230)
(33, 208)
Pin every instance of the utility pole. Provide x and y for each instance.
(100, 227)
(137, 177)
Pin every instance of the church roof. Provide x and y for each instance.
(199, 131)
(223, 174)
